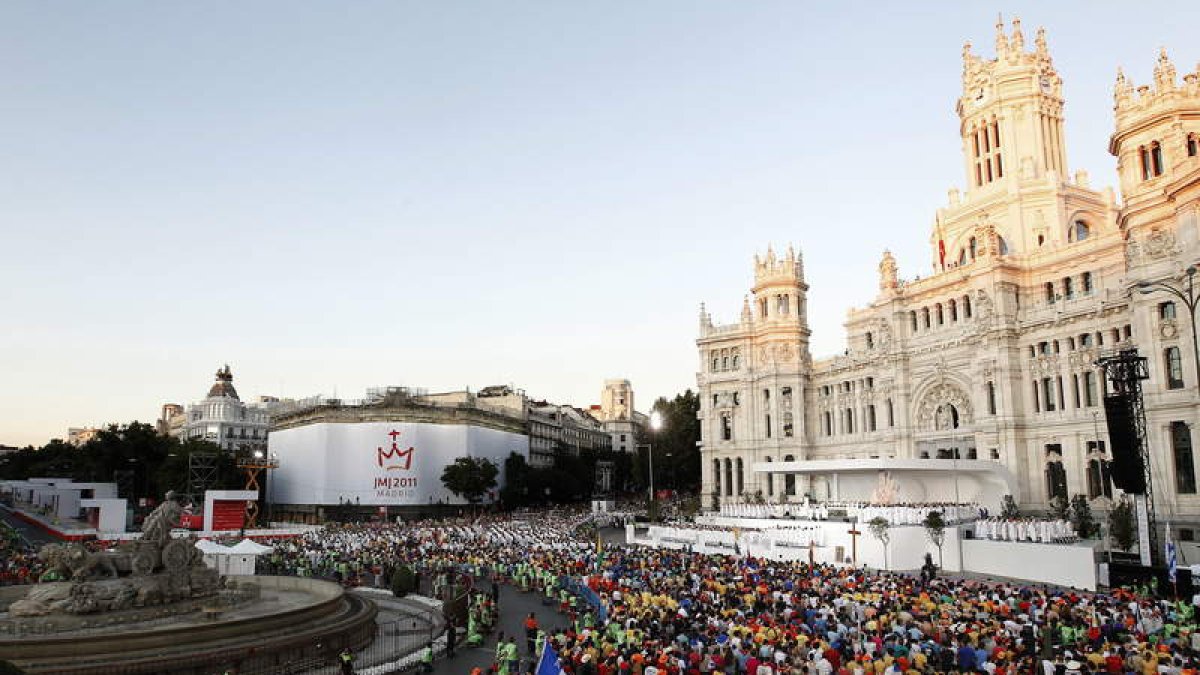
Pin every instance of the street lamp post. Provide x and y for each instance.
(655, 425)
(1190, 300)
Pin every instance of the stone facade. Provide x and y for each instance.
(616, 412)
(223, 418)
(992, 356)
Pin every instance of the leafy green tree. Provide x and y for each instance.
(1081, 516)
(880, 529)
(935, 529)
(1009, 510)
(676, 456)
(156, 463)
(470, 477)
(1121, 526)
(515, 493)
(404, 581)
(1060, 508)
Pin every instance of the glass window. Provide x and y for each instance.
(1166, 310)
(1185, 471)
(1174, 368)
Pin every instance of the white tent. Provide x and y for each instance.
(232, 560)
(250, 547)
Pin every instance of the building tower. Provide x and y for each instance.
(1011, 112)
(752, 383)
(1157, 146)
(616, 401)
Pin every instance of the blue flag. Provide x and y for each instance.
(548, 663)
(1172, 563)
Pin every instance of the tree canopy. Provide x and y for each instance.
(470, 477)
(155, 463)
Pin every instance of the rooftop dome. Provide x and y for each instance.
(223, 387)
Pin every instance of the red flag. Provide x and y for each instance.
(941, 242)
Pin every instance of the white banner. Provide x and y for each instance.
(380, 463)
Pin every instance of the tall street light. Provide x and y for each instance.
(1190, 300)
(655, 424)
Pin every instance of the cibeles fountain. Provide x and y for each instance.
(152, 606)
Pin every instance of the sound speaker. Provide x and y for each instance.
(1127, 470)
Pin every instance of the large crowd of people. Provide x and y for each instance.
(662, 612)
(630, 610)
(19, 563)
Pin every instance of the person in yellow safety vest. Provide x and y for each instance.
(427, 659)
(500, 650)
(346, 658)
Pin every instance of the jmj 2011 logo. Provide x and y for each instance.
(395, 458)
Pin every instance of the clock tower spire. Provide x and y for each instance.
(1010, 112)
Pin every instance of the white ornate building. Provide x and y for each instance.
(223, 418)
(992, 356)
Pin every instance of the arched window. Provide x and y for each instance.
(925, 316)
(736, 358)
(1003, 245)
(1174, 368)
(913, 315)
(1079, 231)
(1099, 484)
(716, 469)
(1193, 145)
(966, 303)
(953, 310)
(1056, 475)
(741, 485)
(941, 319)
(728, 478)
(971, 247)
(962, 256)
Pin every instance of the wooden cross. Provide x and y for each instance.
(854, 532)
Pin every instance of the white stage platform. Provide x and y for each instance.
(958, 481)
(1067, 565)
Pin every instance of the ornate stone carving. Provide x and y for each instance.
(1168, 329)
(1155, 245)
(153, 570)
(933, 414)
(784, 353)
(1159, 244)
(888, 273)
(883, 335)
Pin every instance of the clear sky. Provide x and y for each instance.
(330, 196)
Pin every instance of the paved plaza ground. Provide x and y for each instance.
(514, 607)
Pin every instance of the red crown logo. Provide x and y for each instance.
(403, 458)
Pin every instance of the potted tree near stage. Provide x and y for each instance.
(935, 529)
(879, 527)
